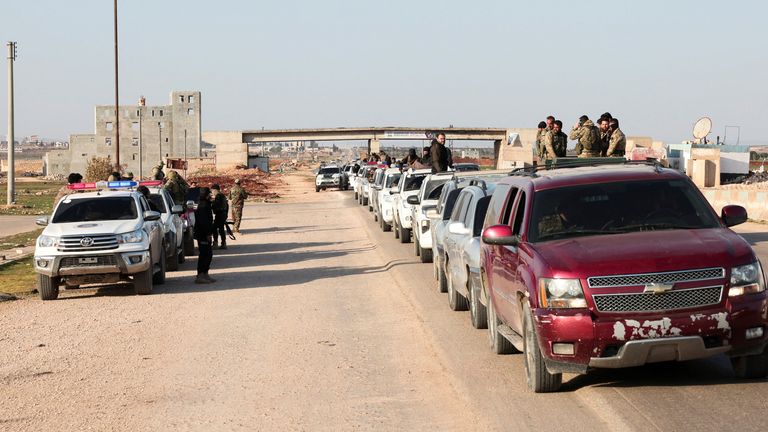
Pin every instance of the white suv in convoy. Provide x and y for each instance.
(173, 227)
(384, 211)
(426, 200)
(410, 183)
(329, 177)
(100, 237)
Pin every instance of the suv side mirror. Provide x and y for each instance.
(500, 235)
(42, 221)
(733, 215)
(432, 214)
(190, 204)
(150, 215)
(458, 228)
(413, 200)
(177, 209)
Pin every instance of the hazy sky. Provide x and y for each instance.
(656, 65)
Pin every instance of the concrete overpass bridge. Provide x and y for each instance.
(511, 145)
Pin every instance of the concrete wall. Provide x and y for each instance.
(518, 147)
(22, 165)
(754, 200)
(148, 134)
(231, 151)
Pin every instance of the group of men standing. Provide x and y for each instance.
(436, 156)
(603, 140)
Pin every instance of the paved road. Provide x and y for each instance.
(11, 225)
(318, 321)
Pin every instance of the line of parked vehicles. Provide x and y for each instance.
(581, 264)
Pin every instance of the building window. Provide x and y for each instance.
(108, 141)
(134, 141)
(138, 113)
(134, 156)
(160, 125)
(84, 154)
(135, 126)
(161, 113)
(109, 126)
(191, 111)
(191, 99)
(166, 140)
(181, 98)
(153, 113)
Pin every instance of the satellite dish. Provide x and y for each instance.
(702, 128)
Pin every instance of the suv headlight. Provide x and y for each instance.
(561, 293)
(47, 241)
(746, 279)
(131, 237)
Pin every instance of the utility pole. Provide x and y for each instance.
(11, 169)
(141, 145)
(185, 153)
(117, 103)
(160, 134)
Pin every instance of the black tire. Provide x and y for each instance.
(456, 301)
(499, 344)
(425, 254)
(405, 235)
(159, 277)
(442, 281)
(173, 261)
(478, 314)
(48, 287)
(416, 248)
(355, 195)
(365, 201)
(540, 380)
(189, 245)
(142, 282)
(752, 366)
(182, 255)
(317, 189)
(385, 226)
(395, 228)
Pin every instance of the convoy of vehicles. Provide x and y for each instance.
(588, 266)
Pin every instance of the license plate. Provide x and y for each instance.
(88, 260)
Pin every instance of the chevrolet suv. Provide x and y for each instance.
(100, 237)
(617, 266)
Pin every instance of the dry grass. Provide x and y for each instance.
(18, 277)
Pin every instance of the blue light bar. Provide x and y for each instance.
(122, 184)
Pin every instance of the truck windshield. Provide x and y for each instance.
(96, 209)
(329, 170)
(614, 208)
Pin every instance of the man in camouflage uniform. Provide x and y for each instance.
(237, 196)
(157, 171)
(555, 141)
(177, 187)
(605, 134)
(587, 135)
(540, 150)
(618, 143)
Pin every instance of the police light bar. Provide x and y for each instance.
(121, 184)
(151, 183)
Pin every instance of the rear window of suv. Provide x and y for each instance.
(614, 208)
(96, 209)
(413, 182)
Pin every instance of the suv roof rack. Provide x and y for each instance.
(572, 162)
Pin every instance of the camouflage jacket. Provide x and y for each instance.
(618, 143)
(178, 189)
(237, 195)
(588, 137)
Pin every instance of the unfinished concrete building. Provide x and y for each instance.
(148, 134)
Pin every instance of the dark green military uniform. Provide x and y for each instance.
(618, 143)
(237, 198)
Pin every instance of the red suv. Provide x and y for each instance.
(612, 266)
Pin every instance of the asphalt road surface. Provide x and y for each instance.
(319, 321)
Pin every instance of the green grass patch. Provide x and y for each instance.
(20, 240)
(32, 198)
(18, 277)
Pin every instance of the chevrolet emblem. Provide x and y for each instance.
(657, 288)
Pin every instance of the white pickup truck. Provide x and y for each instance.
(100, 237)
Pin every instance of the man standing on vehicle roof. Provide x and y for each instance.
(618, 142)
(555, 141)
(605, 134)
(237, 196)
(587, 135)
(440, 154)
(204, 236)
(540, 151)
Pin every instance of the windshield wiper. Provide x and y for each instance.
(575, 232)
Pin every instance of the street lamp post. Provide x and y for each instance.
(11, 168)
(160, 134)
(117, 103)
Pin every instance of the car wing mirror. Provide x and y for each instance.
(432, 214)
(413, 200)
(150, 215)
(42, 221)
(177, 209)
(733, 215)
(500, 235)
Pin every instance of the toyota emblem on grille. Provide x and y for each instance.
(86, 242)
(657, 288)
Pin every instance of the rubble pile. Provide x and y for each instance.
(753, 180)
(256, 183)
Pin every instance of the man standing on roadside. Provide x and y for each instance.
(237, 197)
(220, 209)
(618, 142)
(204, 236)
(440, 154)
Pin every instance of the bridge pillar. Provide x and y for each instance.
(374, 146)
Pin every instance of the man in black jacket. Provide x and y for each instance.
(204, 236)
(220, 208)
(440, 154)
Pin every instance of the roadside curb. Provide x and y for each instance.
(14, 255)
